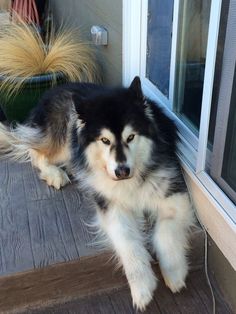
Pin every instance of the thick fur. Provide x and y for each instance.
(122, 148)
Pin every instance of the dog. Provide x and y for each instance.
(120, 146)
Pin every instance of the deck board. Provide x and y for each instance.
(15, 244)
(39, 225)
(120, 302)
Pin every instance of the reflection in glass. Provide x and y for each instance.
(191, 57)
(159, 32)
(229, 159)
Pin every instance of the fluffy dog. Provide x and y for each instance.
(122, 147)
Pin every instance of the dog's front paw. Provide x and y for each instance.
(175, 277)
(142, 289)
(55, 177)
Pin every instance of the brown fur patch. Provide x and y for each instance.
(53, 152)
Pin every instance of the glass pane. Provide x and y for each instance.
(191, 57)
(223, 161)
(221, 164)
(218, 70)
(229, 159)
(159, 32)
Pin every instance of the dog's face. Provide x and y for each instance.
(121, 157)
(116, 133)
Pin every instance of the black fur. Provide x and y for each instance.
(101, 201)
(113, 108)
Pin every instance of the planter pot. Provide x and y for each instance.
(17, 107)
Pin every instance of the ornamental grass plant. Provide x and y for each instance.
(24, 54)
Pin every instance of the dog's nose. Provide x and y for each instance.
(122, 172)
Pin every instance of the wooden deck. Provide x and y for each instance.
(40, 226)
(194, 300)
(49, 265)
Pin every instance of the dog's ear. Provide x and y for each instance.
(136, 88)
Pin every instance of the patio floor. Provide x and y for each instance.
(195, 299)
(48, 263)
(39, 225)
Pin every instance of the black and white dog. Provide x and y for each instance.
(122, 147)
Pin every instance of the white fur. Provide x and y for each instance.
(5, 138)
(128, 130)
(53, 175)
(128, 199)
(173, 218)
(122, 230)
(16, 143)
(170, 239)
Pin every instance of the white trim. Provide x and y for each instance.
(208, 83)
(184, 150)
(159, 96)
(131, 39)
(174, 45)
(143, 35)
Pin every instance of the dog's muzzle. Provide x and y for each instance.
(122, 172)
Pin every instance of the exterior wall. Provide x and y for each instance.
(223, 273)
(85, 13)
(4, 4)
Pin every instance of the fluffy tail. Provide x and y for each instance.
(16, 143)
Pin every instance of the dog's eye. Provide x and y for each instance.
(130, 138)
(105, 141)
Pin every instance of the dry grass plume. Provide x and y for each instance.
(24, 54)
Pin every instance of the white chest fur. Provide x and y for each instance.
(133, 194)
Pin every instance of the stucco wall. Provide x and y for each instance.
(223, 273)
(84, 14)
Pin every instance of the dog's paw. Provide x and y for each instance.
(175, 278)
(142, 289)
(55, 177)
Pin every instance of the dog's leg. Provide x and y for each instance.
(123, 232)
(170, 241)
(53, 175)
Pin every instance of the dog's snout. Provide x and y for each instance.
(122, 172)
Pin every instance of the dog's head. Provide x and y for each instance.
(115, 128)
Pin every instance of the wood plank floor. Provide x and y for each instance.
(196, 299)
(92, 285)
(41, 228)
